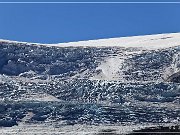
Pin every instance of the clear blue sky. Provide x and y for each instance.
(54, 23)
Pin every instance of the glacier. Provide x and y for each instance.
(105, 86)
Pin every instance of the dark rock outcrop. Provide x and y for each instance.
(174, 78)
(160, 130)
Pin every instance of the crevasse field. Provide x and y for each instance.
(107, 86)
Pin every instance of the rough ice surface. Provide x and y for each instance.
(88, 87)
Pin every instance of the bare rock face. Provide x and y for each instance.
(174, 78)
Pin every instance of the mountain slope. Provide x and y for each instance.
(130, 81)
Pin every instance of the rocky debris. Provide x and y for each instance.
(159, 130)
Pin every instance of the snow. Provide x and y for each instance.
(156, 41)
(43, 129)
(147, 41)
(28, 116)
(38, 97)
(109, 69)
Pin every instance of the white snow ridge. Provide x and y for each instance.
(147, 41)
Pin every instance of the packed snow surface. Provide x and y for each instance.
(148, 41)
(145, 41)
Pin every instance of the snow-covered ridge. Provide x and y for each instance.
(146, 41)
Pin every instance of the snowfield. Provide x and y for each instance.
(106, 86)
(147, 41)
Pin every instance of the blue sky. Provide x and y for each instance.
(54, 23)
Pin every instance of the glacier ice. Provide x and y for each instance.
(106, 85)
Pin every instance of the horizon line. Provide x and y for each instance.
(92, 2)
(130, 36)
